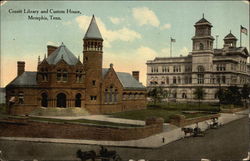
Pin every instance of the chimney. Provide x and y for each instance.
(136, 75)
(20, 67)
(51, 49)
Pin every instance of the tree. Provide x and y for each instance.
(245, 92)
(199, 94)
(221, 95)
(157, 94)
(230, 95)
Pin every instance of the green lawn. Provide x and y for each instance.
(150, 112)
(186, 106)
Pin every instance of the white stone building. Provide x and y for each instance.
(205, 66)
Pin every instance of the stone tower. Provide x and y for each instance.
(202, 53)
(92, 58)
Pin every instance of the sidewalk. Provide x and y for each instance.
(170, 133)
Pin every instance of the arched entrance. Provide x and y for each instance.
(61, 100)
(78, 100)
(44, 101)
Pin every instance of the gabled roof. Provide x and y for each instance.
(126, 79)
(93, 30)
(62, 53)
(26, 79)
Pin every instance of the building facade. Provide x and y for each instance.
(62, 80)
(204, 67)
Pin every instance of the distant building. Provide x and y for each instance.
(62, 80)
(204, 67)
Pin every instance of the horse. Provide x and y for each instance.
(188, 130)
(86, 155)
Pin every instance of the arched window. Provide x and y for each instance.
(78, 100)
(184, 95)
(61, 100)
(174, 80)
(44, 101)
(115, 95)
(201, 46)
(20, 97)
(106, 95)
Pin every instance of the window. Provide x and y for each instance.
(201, 46)
(174, 80)
(93, 82)
(200, 74)
(111, 95)
(44, 74)
(44, 101)
(179, 80)
(184, 95)
(223, 79)
(62, 75)
(20, 98)
(221, 67)
(167, 80)
(78, 100)
(165, 69)
(93, 97)
(154, 69)
(79, 76)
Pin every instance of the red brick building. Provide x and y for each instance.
(62, 80)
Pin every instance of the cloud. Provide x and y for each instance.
(166, 26)
(66, 22)
(123, 34)
(184, 51)
(116, 20)
(145, 16)
(140, 57)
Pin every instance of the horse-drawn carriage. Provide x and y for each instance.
(193, 131)
(104, 155)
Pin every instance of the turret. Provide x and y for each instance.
(92, 55)
(230, 41)
(203, 39)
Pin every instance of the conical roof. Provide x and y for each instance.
(93, 30)
(230, 36)
(62, 53)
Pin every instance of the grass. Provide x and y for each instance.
(157, 112)
(186, 107)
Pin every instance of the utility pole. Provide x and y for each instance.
(217, 41)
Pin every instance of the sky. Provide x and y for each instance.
(133, 31)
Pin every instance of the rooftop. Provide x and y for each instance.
(93, 31)
(62, 53)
